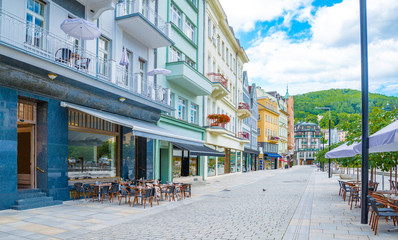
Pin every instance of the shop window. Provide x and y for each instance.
(211, 166)
(220, 165)
(233, 161)
(238, 165)
(193, 165)
(91, 155)
(92, 147)
(177, 163)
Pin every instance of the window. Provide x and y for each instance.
(175, 16)
(209, 64)
(193, 2)
(234, 66)
(194, 113)
(189, 30)
(86, 157)
(142, 72)
(223, 50)
(172, 99)
(230, 60)
(214, 66)
(218, 44)
(103, 55)
(209, 28)
(259, 131)
(214, 34)
(190, 62)
(182, 103)
(174, 55)
(35, 22)
(227, 56)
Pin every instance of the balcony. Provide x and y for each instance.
(300, 136)
(43, 49)
(243, 110)
(96, 8)
(188, 78)
(243, 135)
(217, 123)
(137, 83)
(220, 85)
(273, 139)
(143, 23)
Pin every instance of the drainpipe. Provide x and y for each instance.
(203, 97)
(203, 59)
(155, 52)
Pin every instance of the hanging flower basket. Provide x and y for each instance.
(218, 119)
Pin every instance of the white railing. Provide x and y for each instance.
(129, 7)
(39, 42)
(137, 83)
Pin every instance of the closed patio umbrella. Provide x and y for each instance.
(125, 59)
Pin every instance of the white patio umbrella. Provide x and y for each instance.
(385, 140)
(80, 28)
(125, 59)
(159, 71)
(342, 151)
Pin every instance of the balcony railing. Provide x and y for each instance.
(273, 138)
(243, 105)
(39, 42)
(218, 78)
(129, 7)
(243, 135)
(218, 120)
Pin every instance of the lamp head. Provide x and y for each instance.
(52, 76)
(122, 99)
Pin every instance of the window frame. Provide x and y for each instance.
(176, 12)
(183, 111)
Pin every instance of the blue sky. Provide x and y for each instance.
(313, 45)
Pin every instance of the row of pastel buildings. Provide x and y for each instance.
(160, 94)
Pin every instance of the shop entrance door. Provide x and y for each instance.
(26, 157)
(26, 138)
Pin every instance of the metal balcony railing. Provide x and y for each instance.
(129, 7)
(243, 105)
(272, 138)
(218, 78)
(39, 42)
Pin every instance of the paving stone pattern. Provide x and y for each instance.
(243, 212)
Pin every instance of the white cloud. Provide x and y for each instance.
(243, 15)
(331, 58)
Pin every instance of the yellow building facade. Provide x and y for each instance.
(268, 128)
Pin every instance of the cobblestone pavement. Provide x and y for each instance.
(331, 217)
(242, 212)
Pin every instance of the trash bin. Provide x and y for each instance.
(286, 166)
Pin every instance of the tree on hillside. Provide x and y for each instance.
(312, 118)
(324, 123)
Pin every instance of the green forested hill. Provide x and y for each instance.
(340, 100)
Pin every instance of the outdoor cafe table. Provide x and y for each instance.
(100, 186)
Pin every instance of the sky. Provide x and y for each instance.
(313, 45)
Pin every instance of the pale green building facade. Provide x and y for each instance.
(188, 87)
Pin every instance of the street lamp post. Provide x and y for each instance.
(330, 136)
